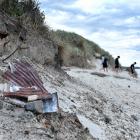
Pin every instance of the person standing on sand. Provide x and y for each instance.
(105, 64)
(117, 64)
(132, 68)
(102, 61)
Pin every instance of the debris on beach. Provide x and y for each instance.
(26, 86)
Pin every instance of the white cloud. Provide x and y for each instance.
(59, 22)
(95, 6)
(88, 6)
(80, 17)
(57, 16)
(130, 21)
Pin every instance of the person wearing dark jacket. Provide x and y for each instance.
(132, 68)
(105, 64)
(117, 63)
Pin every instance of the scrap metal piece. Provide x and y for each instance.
(25, 76)
(44, 106)
(27, 94)
(51, 105)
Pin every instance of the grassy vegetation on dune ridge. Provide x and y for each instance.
(78, 49)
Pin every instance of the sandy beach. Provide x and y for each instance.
(120, 98)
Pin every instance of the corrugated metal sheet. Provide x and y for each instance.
(24, 75)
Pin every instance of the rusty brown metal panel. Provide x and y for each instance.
(25, 76)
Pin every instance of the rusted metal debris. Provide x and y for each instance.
(27, 96)
(43, 106)
(25, 76)
(22, 74)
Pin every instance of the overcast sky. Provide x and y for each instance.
(112, 24)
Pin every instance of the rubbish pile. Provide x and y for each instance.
(26, 89)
